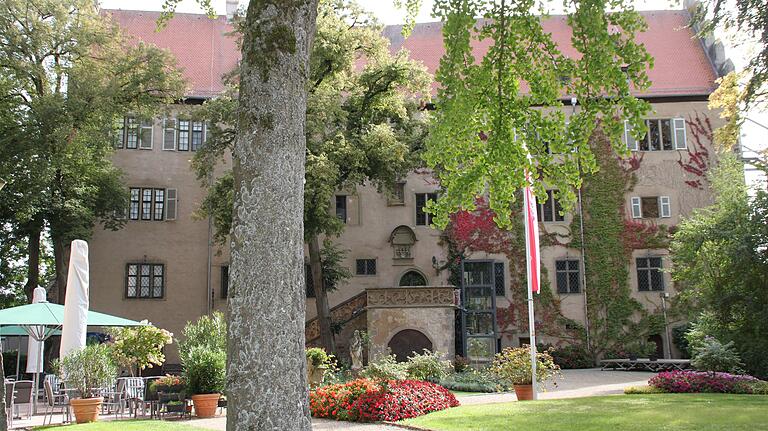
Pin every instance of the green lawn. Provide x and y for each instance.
(668, 412)
(125, 425)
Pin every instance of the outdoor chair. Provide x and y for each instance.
(134, 388)
(55, 382)
(115, 401)
(54, 401)
(9, 396)
(24, 393)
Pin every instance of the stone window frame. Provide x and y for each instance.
(134, 271)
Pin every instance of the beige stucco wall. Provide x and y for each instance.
(182, 244)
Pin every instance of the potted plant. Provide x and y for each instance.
(317, 364)
(168, 387)
(205, 371)
(86, 370)
(514, 365)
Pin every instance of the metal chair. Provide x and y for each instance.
(10, 395)
(24, 393)
(116, 400)
(55, 383)
(134, 388)
(53, 401)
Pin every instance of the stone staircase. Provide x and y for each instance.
(340, 314)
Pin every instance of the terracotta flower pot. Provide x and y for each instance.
(206, 405)
(524, 392)
(86, 409)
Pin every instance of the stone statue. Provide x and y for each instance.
(356, 351)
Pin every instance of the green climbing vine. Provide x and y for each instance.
(615, 317)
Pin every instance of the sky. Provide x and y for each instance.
(753, 133)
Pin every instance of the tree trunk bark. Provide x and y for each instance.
(60, 261)
(33, 262)
(266, 364)
(321, 297)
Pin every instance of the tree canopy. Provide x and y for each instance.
(66, 75)
(362, 127)
(721, 265)
(492, 112)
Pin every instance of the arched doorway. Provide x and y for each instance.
(659, 343)
(412, 278)
(407, 341)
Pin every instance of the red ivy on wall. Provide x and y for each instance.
(695, 160)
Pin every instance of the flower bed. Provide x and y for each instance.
(701, 381)
(364, 400)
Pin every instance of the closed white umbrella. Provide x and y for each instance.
(35, 346)
(75, 322)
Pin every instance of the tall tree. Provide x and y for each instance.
(721, 265)
(493, 112)
(362, 126)
(70, 75)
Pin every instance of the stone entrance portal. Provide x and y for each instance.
(408, 319)
(407, 341)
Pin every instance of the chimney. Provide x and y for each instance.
(231, 8)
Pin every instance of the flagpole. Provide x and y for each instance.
(531, 321)
(531, 241)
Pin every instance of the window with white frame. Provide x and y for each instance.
(144, 280)
(424, 218)
(651, 207)
(183, 135)
(549, 210)
(649, 274)
(198, 133)
(149, 203)
(133, 133)
(169, 133)
(664, 134)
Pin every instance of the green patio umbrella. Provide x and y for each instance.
(18, 331)
(44, 319)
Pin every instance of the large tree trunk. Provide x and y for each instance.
(266, 364)
(33, 261)
(321, 296)
(61, 264)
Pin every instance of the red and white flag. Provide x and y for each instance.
(532, 237)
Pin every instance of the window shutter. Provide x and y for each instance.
(680, 136)
(171, 204)
(637, 210)
(664, 207)
(628, 138)
(169, 134)
(146, 135)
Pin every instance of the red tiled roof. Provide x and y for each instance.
(205, 52)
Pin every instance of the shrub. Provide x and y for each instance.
(316, 356)
(514, 365)
(474, 381)
(642, 390)
(698, 381)
(569, 356)
(712, 355)
(386, 368)
(139, 347)
(364, 400)
(460, 364)
(205, 371)
(760, 387)
(209, 332)
(427, 366)
(88, 369)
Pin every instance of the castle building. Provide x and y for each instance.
(410, 289)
